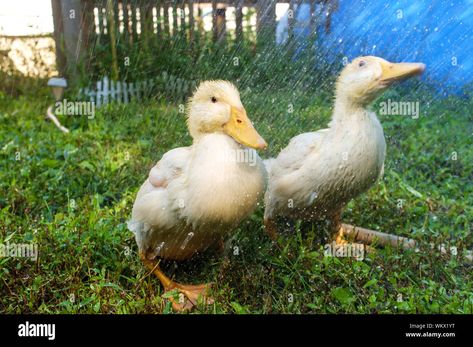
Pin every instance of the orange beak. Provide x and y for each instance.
(241, 129)
(393, 72)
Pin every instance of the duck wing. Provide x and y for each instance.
(286, 179)
(291, 158)
(169, 167)
(154, 206)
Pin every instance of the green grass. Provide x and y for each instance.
(72, 195)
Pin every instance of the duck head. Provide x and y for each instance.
(216, 107)
(361, 81)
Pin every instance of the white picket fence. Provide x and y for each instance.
(107, 91)
(122, 92)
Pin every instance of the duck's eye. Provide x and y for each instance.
(239, 120)
(213, 99)
(362, 63)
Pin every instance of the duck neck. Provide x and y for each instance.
(346, 109)
(219, 140)
(218, 149)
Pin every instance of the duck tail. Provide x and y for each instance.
(268, 164)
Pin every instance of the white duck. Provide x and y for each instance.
(318, 173)
(196, 195)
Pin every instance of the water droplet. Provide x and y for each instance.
(186, 241)
(160, 247)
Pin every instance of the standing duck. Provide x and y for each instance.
(318, 173)
(194, 196)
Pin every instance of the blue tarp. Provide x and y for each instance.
(437, 33)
